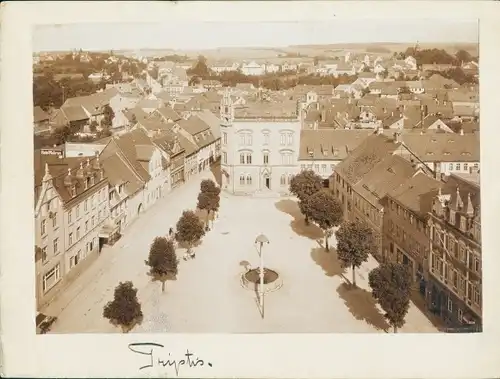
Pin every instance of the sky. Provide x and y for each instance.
(210, 35)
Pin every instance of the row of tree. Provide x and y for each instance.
(356, 241)
(438, 56)
(125, 309)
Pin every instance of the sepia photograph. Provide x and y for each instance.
(248, 189)
(308, 183)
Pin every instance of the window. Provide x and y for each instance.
(43, 227)
(73, 261)
(242, 139)
(477, 296)
(55, 245)
(323, 168)
(290, 177)
(460, 315)
(476, 265)
(224, 157)
(282, 139)
(450, 305)
(266, 138)
(78, 233)
(242, 180)
(86, 226)
(249, 139)
(286, 158)
(70, 239)
(450, 166)
(302, 166)
(85, 206)
(476, 165)
(93, 221)
(51, 278)
(332, 167)
(462, 254)
(78, 211)
(249, 158)
(224, 138)
(316, 168)
(249, 179)
(266, 158)
(242, 158)
(289, 139)
(457, 166)
(283, 180)
(69, 216)
(466, 167)
(455, 279)
(44, 254)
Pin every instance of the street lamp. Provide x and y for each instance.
(261, 240)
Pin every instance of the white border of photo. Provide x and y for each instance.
(26, 354)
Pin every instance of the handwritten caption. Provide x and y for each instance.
(155, 358)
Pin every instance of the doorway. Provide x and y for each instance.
(267, 181)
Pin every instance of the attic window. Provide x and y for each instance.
(451, 141)
(446, 153)
(433, 140)
(430, 153)
(466, 153)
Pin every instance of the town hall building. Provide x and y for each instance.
(260, 143)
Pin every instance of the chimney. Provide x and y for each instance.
(392, 113)
(461, 131)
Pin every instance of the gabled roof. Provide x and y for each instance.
(386, 175)
(417, 193)
(446, 147)
(39, 114)
(74, 113)
(119, 172)
(193, 125)
(212, 121)
(168, 113)
(365, 157)
(137, 112)
(330, 144)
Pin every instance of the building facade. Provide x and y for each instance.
(71, 208)
(455, 288)
(259, 149)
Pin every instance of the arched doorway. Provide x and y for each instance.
(140, 209)
(267, 180)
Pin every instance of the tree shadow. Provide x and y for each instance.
(362, 306)
(298, 223)
(129, 327)
(328, 261)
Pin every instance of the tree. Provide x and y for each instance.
(463, 56)
(391, 287)
(200, 69)
(324, 210)
(209, 197)
(162, 260)
(355, 242)
(189, 229)
(303, 185)
(93, 126)
(109, 115)
(125, 309)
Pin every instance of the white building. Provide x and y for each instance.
(253, 69)
(260, 146)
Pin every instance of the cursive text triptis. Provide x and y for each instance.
(150, 349)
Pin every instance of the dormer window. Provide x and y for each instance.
(73, 191)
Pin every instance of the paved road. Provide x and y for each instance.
(207, 296)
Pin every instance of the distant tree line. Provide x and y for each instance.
(272, 81)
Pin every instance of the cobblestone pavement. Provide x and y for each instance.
(207, 296)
